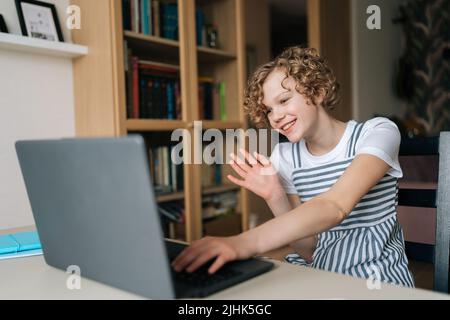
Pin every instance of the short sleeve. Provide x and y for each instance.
(282, 161)
(380, 137)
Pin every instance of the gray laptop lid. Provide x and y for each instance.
(94, 207)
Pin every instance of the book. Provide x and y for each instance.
(19, 245)
(222, 94)
(156, 17)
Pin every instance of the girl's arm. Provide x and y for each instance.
(324, 211)
(261, 178)
(283, 203)
(313, 217)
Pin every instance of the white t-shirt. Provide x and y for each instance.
(379, 137)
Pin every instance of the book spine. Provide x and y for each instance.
(170, 100)
(144, 17)
(178, 100)
(223, 112)
(126, 5)
(173, 171)
(149, 16)
(136, 6)
(156, 18)
(135, 65)
(199, 26)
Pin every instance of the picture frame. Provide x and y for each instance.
(39, 20)
(3, 27)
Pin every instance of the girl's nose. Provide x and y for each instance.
(277, 115)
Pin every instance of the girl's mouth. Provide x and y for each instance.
(288, 125)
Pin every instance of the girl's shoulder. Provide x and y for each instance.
(378, 122)
(379, 127)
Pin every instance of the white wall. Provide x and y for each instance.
(36, 101)
(374, 53)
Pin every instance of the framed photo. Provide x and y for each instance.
(3, 27)
(39, 20)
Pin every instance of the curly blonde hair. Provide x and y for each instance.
(311, 73)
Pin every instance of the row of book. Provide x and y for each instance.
(153, 89)
(216, 205)
(213, 206)
(212, 99)
(172, 211)
(211, 175)
(154, 92)
(206, 33)
(160, 18)
(151, 17)
(167, 176)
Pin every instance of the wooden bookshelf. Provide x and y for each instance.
(210, 55)
(221, 125)
(154, 124)
(205, 191)
(170, 197)
(219, 189)
(100, 83)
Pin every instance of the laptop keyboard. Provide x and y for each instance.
(201, 277)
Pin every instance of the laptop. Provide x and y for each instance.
(94, 207)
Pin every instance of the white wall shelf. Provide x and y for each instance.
(38, 46)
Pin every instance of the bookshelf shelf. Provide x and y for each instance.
(219, 189)
(158, 46)
(221, 125)
(154, 124)
(170, 197)
(207, 190)
(39, 46)
(209, 55)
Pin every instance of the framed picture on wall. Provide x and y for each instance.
(3, 27)
(39, 20)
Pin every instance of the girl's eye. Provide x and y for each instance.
(284, 101)
(269, 110)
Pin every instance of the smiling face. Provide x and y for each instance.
(288, 111)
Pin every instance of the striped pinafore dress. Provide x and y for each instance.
(369, 242)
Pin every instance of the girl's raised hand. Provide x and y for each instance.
(257, 173)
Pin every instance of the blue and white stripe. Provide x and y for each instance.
(369, 238)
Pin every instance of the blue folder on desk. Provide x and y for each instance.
(19, 245)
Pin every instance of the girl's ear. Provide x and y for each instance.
(319, 98)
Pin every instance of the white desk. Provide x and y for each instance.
(31, 278)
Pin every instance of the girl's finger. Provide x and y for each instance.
(262, 159)
(240, 162)
(220, 261)
(236, 181)
(202, 259)
(188, 255)
(252, 161)
(238, 169)
(183, 259)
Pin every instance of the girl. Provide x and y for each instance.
(333, 190)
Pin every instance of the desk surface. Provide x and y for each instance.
(32, 278)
